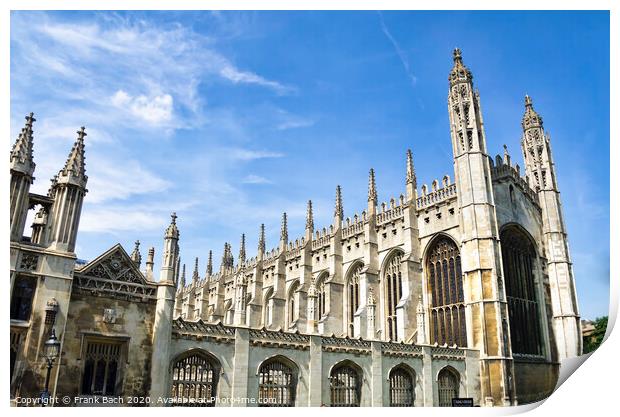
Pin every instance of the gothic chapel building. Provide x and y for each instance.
(463, 289)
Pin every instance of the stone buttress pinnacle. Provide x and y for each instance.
(284, 229)
(242, 249)
(75, 167)
(309, 217)
(210, 264)
(411, 177)
(135, 255)
(372, 186)
(22, 152)
(338, 209)
(261, 240)
(196, 275)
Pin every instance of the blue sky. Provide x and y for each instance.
(231, 118)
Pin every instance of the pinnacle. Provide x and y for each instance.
(372, 186)
(309, 216)
(22, 149)
(411, 178)
(75, 167)
(338, 212)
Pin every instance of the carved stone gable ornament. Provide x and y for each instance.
(109, 315)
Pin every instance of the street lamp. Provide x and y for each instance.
(51, 349)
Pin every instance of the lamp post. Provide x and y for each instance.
(51, 349)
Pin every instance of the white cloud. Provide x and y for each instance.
(244, 77)
(154, 109)
(255, 179)
(248, 154)
(107, 180)
(399, 51)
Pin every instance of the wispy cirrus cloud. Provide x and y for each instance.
(399, 51)
(255, 179)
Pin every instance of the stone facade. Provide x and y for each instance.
(463, 289)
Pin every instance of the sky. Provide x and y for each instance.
(231, 118)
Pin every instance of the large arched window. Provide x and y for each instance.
(448, 381)
(393, 292)
(445, 283)
(292, 309)
(353, 298)
(320, 296)
(276, 383)
(401, 387)
(194, 381)
(518, 257)
(345, 386)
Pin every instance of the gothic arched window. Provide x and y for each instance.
(276, 384)
(518, 257)
(393, 292)
(445, 283)
(344, 386)
(267, 319)
(401, 387)
(353, 298)
(448, 382)
(292, 305)
(194, 381)
(320, 296)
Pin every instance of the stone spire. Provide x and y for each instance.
(459, 73)
(530, 117)
(170, 262)
(411, 180)
(540, 172)
(21, 154)
(372, 187)
(242, 249)
(22, 168)
(210, 264)
(196, 275)
(411, 177)
(172, 231)
(338, 209)
(309, 217)
(183, 277)
(135, 255)
(228, 260)
(506, 155)
(261, 242)
(69, 188)
(150, 262)
(74, 170)
(283, 233)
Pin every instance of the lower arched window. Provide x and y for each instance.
(448, 382)
(393, 293)
(276, 384)
(320, 295)
(353, 298)
(401, 388)
(344, 386)
(194, 381)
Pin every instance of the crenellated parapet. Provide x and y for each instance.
(437, 195)
(503, 169)
(391, 211)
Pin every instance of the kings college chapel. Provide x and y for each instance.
(463, 289)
